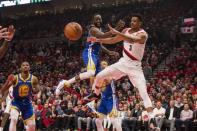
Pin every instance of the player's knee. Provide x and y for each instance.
(14, 120)
(31, 127)
(14, 116)
(99, 80)
(98, 122)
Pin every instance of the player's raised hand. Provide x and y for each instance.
(113, 30)
(3, 32)
(10, 34)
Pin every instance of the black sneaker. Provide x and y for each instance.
(92, 96)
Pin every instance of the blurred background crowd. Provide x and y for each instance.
(169, 66)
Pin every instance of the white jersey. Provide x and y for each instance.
(135, 50)
(8, 100)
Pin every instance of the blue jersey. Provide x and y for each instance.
(22, 93)
(91, 55)
(22, 90)
(108, 91)
(108, 101)
(94, 47)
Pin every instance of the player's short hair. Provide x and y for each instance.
(94, 16)
(24, 62)
(139, 16)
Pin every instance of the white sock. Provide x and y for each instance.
(82, 76)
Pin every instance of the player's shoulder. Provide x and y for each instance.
(125, 30)
(142, 32)
(34, 77)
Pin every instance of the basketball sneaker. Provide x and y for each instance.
(62, 84)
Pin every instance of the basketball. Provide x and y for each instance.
(73, 31)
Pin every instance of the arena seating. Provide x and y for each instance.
(39, 40)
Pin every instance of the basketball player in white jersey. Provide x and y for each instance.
(8, 107)
(134, 41)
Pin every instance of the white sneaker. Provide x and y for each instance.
(60, 87)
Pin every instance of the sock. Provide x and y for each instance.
(82, 76)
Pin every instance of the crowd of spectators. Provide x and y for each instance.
(39, 40)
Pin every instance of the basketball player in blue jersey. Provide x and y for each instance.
(91, 52)
(107, 106)
(24, 85)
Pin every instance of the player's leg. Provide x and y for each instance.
(137, 78)
(116, 123)
(4, 120)
(31, 124)
(59, 87)
(6, 114)
(29, 117)
(14, 114)
(108, 123)
(99, 124)
(90, 60)
(106, 75)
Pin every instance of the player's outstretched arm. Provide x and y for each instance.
(3, 48)
(95, 32)
(131, 38)
(11, 80)
(35, 85)
(111, 40)
(111, 53)
(99, 34)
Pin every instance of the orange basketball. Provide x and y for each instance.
(73, 31)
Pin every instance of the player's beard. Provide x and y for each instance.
(98, 25)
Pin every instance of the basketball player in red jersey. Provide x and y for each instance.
(134, 41)
(7, 34)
